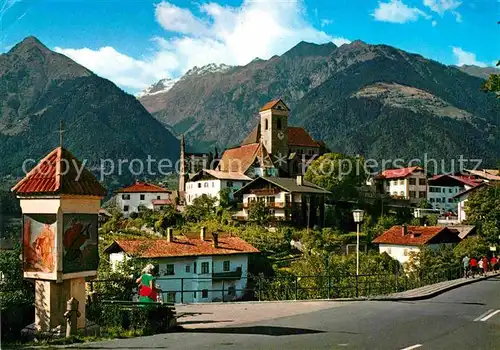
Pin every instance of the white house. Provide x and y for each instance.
(399, 241)
(404, 183)
(130, 198)
(286, 199)
(211, 182)
(193, 270)
(444, 188)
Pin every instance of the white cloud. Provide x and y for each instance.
(458, 16)
(441, 6)
(463, 57)
(218, 34)
(434, 23)
(395, 11)
(341, 41)
(326, 22)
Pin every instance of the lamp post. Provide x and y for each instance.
(358, 218)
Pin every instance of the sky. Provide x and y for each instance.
(134, 43)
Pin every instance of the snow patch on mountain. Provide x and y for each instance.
(159, 87)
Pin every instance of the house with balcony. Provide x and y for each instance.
(444, 188)
(287, 199)
(141, 194)
(211, 182)
(400, 241)
(192, 267)
(403, 183)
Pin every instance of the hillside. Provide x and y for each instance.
(39, 87)
(371, 99)
(480, 72)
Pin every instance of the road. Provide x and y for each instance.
(464, 318)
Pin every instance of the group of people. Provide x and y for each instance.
(473, 266)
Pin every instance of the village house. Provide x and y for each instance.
(403, 183)
(141, 194)
(211, 182)
(195, 268)
(483, 175)
(462, 198)
(444, 188)
(287, 199)
(399, 241)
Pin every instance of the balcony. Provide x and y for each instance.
(278, 205)
(227, 275)
(265, 191)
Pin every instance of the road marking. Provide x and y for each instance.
(412, 347)
(486, 318)
(480, 317)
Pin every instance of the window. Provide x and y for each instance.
(413, 181)
(125, 208)
(267, 124)
(412, 194)
(188, 268)
(401, 182)
(171, 297)
(205, 268)
(279, 124)
(432, 200)
(270, 199)
(169, 269)
(125, 196)
(402, 194)
(142, 197)
(231, 290)
(226, 265)
(422, 194)
(194, 294)
(450, 190)
(157, 197)
(229, 184)
(213, 183)
(204, 293)
(444, 200)
(422, 182)
(438, 200)
(450, 200)
(206, 184)
(194, 267)
(199, 184)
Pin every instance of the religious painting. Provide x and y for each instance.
(80, 243)
(39, 232)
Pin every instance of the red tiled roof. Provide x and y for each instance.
(300, 137)
(417, 235)
(253, 137)
(398, 173)
(58, 173)
(142, 187)
(463, 179)
(161, 201)
(182, 246)
(239, 159)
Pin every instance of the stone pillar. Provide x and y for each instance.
(50, 302)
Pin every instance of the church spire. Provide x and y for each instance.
(182, 166)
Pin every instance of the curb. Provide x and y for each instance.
(434, 293)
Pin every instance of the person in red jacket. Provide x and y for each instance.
(485, 265)
(494, 263)
(473, 266)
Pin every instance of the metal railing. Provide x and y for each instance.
(305, 287)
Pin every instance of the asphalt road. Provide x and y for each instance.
(465, 318)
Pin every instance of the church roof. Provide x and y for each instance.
(300, 137)
(59, 173)
(241, 158)
(253, 137)
(272, 104)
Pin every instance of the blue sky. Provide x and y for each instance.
(135, 43)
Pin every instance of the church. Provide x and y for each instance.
(272, 148)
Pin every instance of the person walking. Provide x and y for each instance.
(485, 265)
(465, 262)
(480, 265)
(494, 263)
(473, 266)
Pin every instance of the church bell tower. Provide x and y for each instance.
(274, 128)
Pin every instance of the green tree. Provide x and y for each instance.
(483, 209)
(337, 173)
(258, 212)
(225, 200)
(202, 208)
(425, 204)
(471, 246)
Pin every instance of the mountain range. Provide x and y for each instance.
(39, 88)
(374, 100)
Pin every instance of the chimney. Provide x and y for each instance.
(300, 180)
(203, 233)
(215, 237)
(170, 234)
(404, 230)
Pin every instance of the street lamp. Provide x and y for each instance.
(358, 218)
